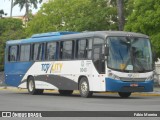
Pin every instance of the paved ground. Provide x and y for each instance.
(13, 99)
(20, 100)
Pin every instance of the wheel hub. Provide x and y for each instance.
(31, 86)
(84, 87)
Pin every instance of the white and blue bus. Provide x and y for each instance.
(87, 61)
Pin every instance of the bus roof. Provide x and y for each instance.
(50, 34)
(55, 36)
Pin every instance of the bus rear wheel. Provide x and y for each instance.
(84, 88)
(124, 94)
(31, 87)
(65, 92)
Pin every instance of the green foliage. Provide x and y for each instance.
(79, 15)
(73, 15)
(10, 29)
(145, 18)
(9, 24)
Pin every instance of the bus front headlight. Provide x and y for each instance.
(150, 78)
(111, 75)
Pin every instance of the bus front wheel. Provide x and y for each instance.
(84, 88)
(31, 87)
(124, 94)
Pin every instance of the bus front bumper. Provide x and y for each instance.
(121, 86)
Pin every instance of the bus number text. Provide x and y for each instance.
(83, 69)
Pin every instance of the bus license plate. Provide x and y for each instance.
(133, 85)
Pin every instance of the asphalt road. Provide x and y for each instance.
(21, 100)
(15, 100)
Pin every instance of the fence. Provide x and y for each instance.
(1, 78)
(157, 73)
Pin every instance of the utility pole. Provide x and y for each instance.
(121, 19)
(11, 8)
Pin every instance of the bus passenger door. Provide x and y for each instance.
(98, 58)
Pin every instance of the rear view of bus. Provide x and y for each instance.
(90, 62)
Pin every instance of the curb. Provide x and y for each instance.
(136, 93)
(147, 94)
(156, 93)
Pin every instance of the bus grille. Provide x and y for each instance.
(132, 89)
(133, 79)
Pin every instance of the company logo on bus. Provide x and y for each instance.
(45, 67)
(56, 67)
(133, 75)
(130, 75)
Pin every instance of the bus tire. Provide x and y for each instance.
(31, 87)
(124, 94)
(65, 92)
(84, 88)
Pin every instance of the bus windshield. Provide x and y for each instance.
(130, 54)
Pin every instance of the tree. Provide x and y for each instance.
(145, 19)
(2, 13)
(74, 16)
(121, 18)
(27, 4)
(10, 29)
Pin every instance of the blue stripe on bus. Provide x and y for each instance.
(118, 85)
(15, 71)
(39, 38)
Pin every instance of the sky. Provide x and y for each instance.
(6, 6)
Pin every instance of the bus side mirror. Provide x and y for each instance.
(106, 50)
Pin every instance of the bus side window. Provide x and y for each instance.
(98, 53)
(67, 52)
(13, 53)
(89, 48)
(60, 49)
(81, 49)
(57, 56)
(38, 49)
(25, 53)
(51, 51)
